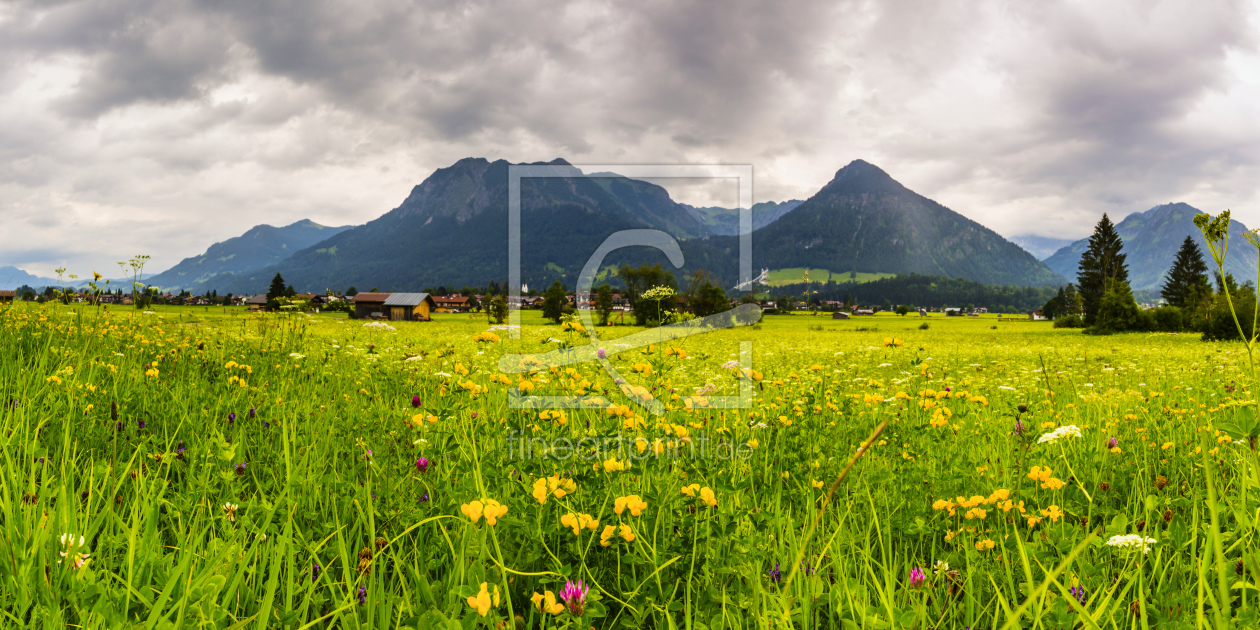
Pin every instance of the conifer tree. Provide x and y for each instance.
(1102, 268)
(1188, 277)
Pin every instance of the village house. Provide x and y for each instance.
(953, 311)
(7, 296)
(370, 305)
(410, 307)
(839, 315)
(451, 303)
(257, 303)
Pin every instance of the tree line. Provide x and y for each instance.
(1102, 301)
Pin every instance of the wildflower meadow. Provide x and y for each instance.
(193, 467)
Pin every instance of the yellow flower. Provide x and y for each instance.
(985, 544)
(494, 511)
(632, 502)
(627, 534)
(691, 489)
(754, 443)
(975, 513)
(481, 601)
(473, 511)
(817, 484)
(606, 535)
(579, 521)
(546, 603)
(1167, 445)
(612, 465)
(1053, 513)
(708, 497)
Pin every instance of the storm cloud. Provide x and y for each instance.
(131, 127)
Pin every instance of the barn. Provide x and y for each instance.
(409, 307)
(370, 305)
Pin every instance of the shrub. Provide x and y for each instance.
(1069, 321)
(1168, 319)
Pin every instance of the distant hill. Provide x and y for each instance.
(12, 278)
(725, 221)
(452, 230)
(1042, 247)
(865, 221)
(1151, 240)
(261, 246)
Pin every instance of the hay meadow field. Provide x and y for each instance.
(208, 468)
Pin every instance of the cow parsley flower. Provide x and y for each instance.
(1060, 433)
(1132, 542)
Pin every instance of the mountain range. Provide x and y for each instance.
(1151, 240)
(725, 221)
(1041, 246)
(452, 230)
(261, 246)
(12, 278)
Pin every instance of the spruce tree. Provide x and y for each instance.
(1188, 277)
(1102, 267)
(277, 288)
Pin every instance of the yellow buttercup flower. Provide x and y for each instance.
(578, 522)
(985, 545)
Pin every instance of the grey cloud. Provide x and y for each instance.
(1081, 108)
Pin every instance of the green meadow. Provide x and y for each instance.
(194, 467)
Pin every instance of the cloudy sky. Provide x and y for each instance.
(158, 127)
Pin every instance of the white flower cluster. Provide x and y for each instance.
(658, 293)
(504, 327)
(381, 325)
(730, 365)
(1132, 542)
(1060, 433)
(294, 355)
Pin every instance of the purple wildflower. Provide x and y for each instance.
(314, 571)
(917, 577)
(232, 417)
(1019, 429)
(601, 353)
(1111, 442)
(774, 573)
(253, 411)
(415, 401)
(1079, 593)
(141, 424)
(422, 464)
(425, 498)
(362, 595)
(240, 468)
(574, 597)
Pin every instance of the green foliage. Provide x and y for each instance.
(497, 309)
(1187, 280)
(1102, 269)
(603, 303)
(554, 302)
(1118, 312)
(1069, 321)
(1169, 319)
(638, 280)
(1220, 324)
(933, 292)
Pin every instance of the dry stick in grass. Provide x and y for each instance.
(800, 555)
